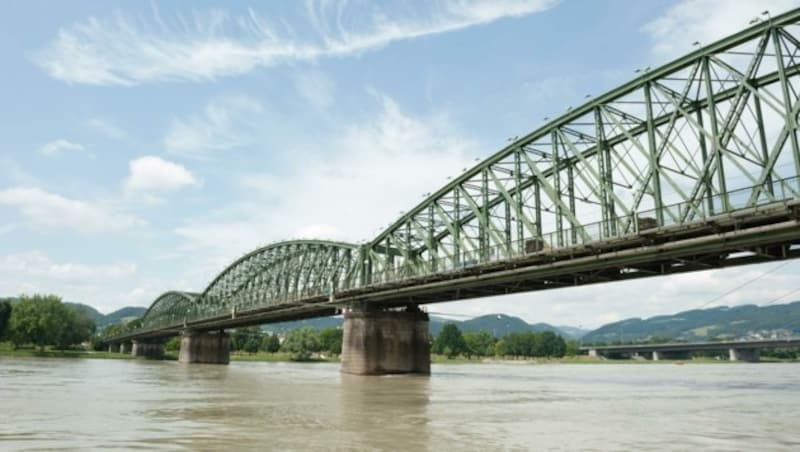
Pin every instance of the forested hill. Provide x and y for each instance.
(720, 323)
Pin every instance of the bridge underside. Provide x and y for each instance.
(765, 234)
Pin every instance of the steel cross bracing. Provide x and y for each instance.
(708, 135)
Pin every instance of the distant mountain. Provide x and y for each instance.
(123, 315)
(500, 325)
(87, 310)
(317, 323)
(747, 321)
(497, 324)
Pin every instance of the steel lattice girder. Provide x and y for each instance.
(692, 139)
(171, 308)
(708, 134)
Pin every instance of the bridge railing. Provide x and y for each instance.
(628, 226)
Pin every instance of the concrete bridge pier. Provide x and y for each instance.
(150, 350)
(205, 347)
(378, 342)
(656, 355)
(125, 347)
(113, 348)
(750, 355)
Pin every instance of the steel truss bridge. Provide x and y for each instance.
(690, 166)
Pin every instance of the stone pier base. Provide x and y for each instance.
(205, 348)
(744, 354)
(113, 348)
(152, 350)
(125, 347)
(378, 342)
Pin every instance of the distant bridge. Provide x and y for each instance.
(690, 166)
(737, 350)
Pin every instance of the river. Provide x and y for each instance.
(82, 404)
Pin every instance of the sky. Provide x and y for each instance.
(145, 146)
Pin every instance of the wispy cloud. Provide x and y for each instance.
(705, 21)
(225, 123)
(60, 145)
(107, 127)
(49, 210)
(153, 174)
(379, 165)
(122, 50)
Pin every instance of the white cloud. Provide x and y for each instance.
(151, 173)
(316, 88)
(225, 123)
(49, 210)
(369, 171)
(705, 21)
(122, 50)
(60, 145)
(106, 287)
(107, 127)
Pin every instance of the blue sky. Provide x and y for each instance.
(146, 145)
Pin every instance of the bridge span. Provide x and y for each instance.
(737, 350)
(691, 166)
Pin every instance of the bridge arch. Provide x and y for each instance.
(282, 272)
(171, 308)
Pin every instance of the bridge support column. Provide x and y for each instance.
(205, 348)
(379, 342)
(656, 355)
(593, 353)
(125, 347)
(113, 348)
(750, 355)
(151, 350)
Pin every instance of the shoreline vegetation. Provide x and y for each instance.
(6, 350)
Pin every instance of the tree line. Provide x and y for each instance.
(43, 320)
(300, 343)
(451, 342)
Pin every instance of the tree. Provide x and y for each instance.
(480, 343)
(300, 343)
(330, 340)
(450, 342)
(573, 348)
(271, 343)
(242, 336)
(5, 316)
(173, 344)
(36, 320)
(552, 345)
(78, 327)
(252, 344)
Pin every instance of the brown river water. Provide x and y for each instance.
(82, 404)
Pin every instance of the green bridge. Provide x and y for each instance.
(689, 166)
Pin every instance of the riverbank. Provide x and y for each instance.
(7, 350)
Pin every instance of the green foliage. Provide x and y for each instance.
(479, 344)
(5, 316)
(330, 340)
(450, 342)
(530, 344)
(44, 320)
(573, 348)
(271, 343)
(252, 344)
(301, 343)
(173, 344)
(244, 338)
